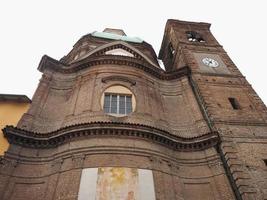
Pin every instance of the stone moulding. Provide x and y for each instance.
(54, 65)
(118, 78)
(108, 129)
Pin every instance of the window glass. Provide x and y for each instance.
(122, 104)
(118, 101)
(128, 104)
(107, 103)
(113, 104)
(117, 104)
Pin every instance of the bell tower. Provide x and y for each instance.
(228, 101)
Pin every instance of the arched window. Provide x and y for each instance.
(193, 36)
(171, 51)
(118, 101)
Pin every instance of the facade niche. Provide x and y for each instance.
(234, 103)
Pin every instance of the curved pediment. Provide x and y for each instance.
(119, 48)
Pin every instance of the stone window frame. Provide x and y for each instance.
(118, 89)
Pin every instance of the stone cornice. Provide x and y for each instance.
(108, 129)
(118, 78)
(240, 122)
(48, 63)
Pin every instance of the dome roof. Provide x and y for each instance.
(116, 34)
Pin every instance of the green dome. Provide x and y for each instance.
(113, 36)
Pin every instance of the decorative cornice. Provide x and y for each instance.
(54, 65)
(110, 129)
(118, 78)
(219, 75)
(240, 122)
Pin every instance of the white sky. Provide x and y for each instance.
(31, 28)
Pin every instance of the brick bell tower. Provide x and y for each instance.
(228, 103)
(106, 122)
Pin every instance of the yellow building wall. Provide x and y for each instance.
(10, 114)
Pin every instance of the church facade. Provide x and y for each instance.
(106, 122)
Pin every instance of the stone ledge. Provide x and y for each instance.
(111, 129)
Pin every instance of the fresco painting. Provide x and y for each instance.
(117, 183)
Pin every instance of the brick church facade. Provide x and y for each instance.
(107, 122)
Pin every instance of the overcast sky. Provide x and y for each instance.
(32, 28)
